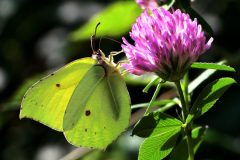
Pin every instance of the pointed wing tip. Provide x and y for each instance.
(21, 115)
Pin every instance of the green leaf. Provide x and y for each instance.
(208, 97)
(198, 134)
(116, 20)
(159, 146)
(215, 66)
(180, 152)
(169, 105)
(202, 77)
(154, 124)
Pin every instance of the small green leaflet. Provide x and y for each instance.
(215, 66)
(155, 123)
(161, 131)
(158, 146)
(202, 77)
(208, 97)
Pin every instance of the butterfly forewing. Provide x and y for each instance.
(46, 101)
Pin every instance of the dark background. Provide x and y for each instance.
(34, 39)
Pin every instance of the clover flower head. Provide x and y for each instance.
(165, 43)
(147, 4)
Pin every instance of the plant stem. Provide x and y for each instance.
(190, 147)
(145, 90)
(187, 130)
(182, 99)
(186, 95)
(153, 98)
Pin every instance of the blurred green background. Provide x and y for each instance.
(37, 37)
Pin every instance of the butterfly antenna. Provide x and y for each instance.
(99, 45)
(112, 39)
(93, 38)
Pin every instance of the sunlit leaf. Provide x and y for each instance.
(155, 123)
(159, 146)
(116, 20)
(215, 66)
(202, 77)
(208, 97)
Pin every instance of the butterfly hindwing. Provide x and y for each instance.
(102, 111)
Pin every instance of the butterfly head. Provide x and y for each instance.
(106, 62)
(99, 56)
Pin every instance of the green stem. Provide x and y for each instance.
(190, 147)
(186, 95)
(167, 107)
(187, 130)
(182, 99)
(159, 103)
(153, 99)
(145, 90)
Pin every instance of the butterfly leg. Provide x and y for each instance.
(121, 62)
(114, 53)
